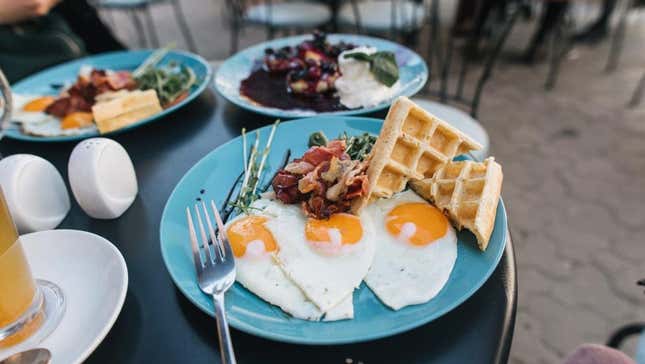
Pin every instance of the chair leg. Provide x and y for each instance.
(637, 97)
(152, 31)
(435, 48)
(236, 23)
(559, 49)
(492, 59)
(357, 17)
(443, 93)
(618, 38)
(185, 30)
(235, 39)
(141, 36)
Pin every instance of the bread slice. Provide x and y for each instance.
(125, 110)
(468, 192)
(412, 145)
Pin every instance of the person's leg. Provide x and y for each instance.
(599, 28)
(84, 20)
(552, 14)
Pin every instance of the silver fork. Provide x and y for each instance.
(215, 271)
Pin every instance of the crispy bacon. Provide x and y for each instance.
(325, 180)
(317, 155)
(80, 96)
(299, 167)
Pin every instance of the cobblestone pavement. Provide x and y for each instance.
(574, 165)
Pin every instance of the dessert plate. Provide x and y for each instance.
(211, 178)
(413, 73)
(93, 276)
(42, 83)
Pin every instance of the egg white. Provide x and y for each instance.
(403, 274)
(20, 116)
(326, 279)
(258, 271)
(39, 123)
(51, 127)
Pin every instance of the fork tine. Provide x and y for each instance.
(193, 242)
(207, 254)
(217, 246)
(226, 246)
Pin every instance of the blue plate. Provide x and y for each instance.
(216, 172)
(413, 73)
(41, 84)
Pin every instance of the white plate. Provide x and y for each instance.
(93, 276)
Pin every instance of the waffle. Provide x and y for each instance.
(412, 145)
(468, 192)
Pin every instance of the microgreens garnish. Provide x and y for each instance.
(358, 147)
(252, 170)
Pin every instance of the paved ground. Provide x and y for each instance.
(574, 163)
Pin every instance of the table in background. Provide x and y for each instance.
(159, 325)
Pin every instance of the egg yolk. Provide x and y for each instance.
(249, 229)
(38, 104)
(348, 225)
(420, 223)
(77, 119)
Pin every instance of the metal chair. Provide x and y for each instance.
(441, 59)
(399, 18)
(137, 8)
(637, 96)
(284, 16)
(443, 48)
(561, 42)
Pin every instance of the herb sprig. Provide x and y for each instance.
(382, 65)
(358, 147)
(253, 170)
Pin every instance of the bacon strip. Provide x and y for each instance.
(80, 96)
(325, 180)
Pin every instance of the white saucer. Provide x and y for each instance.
(93, 276)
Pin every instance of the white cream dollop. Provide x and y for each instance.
(357, 87)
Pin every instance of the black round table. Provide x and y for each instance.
(159, 325)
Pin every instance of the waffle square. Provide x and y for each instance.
(412, 145)
(468, 192)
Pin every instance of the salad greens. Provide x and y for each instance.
(171, 81)
(358, 147)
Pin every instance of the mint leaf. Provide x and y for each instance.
(382, 65)
(384, 68)
(360, 56)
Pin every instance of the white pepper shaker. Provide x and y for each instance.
(35, 192)
(102, 178)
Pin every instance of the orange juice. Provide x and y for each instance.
(17, 286)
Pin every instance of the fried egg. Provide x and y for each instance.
(327, 259)
(254, 247)
(415, 253)
(53, 127)
(29, 112)
(30, 109)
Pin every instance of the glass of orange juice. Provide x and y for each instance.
(29, 309)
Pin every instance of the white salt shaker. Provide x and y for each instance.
(35, 192)
(102, 178)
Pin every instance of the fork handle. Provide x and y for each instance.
(225, 344)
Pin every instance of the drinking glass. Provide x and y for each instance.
(30, 309)
(6, 104)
